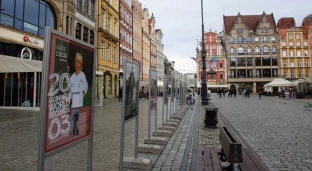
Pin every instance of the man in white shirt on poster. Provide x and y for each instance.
(78, 83)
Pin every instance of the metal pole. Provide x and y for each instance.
(156, 115)
(122, 129)
(35, 89)
(149, 108)
(205, 98)
(163, 103)
(137, 127)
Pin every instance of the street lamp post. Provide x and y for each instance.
(204, 84)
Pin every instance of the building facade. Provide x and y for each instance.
(160, 61)
(294, 50)
(137, 33)
(22, 36)
(152, 32)
(307, 30)
(125, 50)
(251, 44)
(215, 61)
(108, 43)
(146, 46)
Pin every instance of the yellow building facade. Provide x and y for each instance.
(108, 46)
(294, 55)
(146, 45)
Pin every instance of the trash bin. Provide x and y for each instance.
(211, 117)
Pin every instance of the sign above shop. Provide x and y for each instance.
(26, 53)
(30, 40)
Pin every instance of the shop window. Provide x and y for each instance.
(78, 31)
(91, 37)
(85, 34)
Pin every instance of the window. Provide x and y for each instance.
(91, 37)
(265, 30)
(257, 51)
(306, 53)
(288, 26)
(240, 40)
(249, 61)
(292, 74)
(214, 53)
(79, 4)
(92, 9)
(232, 62)
(265, 39)
(232, 73)
(214, 47)
(274, 50)
(307, 74)
(114, 55)
(249, 51)
(306, 63)
(258, 61)
(109, 52)
(103, 20)
(292, 64)
(248, 40)
(273, 39)
(241, 62)
(274, 61)
(78, 31)
(102, 50)
(284, 64)
(115, 27)
(266, 73)
(86, 6)
(109, 24)
(275, 72)
(240, 31)
(285, 74)
(232, 40)
(249, 73)
(120, 34)
(232, 51)
(30, 17)
(265, 50)
(305, 43)
(284, 54)
(220, 65)
(291, 53)
(284, 44)
(290, 36)
(85, 34)
(298, 53)
(299, 64)
(207, 47)
(221, 76)
(257, 40)
(266, 61)
(241, 73)
(297, 36)
(258, 73)
(298, 43)
(291, 44)
(240, 51)
(120, 59)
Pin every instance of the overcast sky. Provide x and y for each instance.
(180, 21)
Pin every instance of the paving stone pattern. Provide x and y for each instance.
(19, 141)
(278, 130)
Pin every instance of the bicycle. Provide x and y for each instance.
(190, 100)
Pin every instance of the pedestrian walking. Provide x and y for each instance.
(260, 92)
(248, 95)
(120, 94)
(234, 92)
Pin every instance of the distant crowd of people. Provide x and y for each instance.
(233, 92)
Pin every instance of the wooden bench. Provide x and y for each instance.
(207, 159)
(236, 155)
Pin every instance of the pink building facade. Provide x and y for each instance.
(215, 61)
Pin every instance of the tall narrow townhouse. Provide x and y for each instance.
(126, 35)
(108, 45)
(22, 34)
(294, 50)
(251, 43)
(137, 34)
(146, 45)
(152, 32)
(160, 61)
(307, 29)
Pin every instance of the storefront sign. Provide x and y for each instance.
(69, 92)
(85, 19)
(26, 53)
(30, 40)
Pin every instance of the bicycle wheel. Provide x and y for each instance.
(192, 101)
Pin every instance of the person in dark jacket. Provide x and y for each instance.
(120, 94)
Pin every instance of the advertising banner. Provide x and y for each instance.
(131, 83)
(166, 89)
(69, 96)
(153, 89)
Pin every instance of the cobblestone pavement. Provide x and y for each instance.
(278, 130)
(19, 140)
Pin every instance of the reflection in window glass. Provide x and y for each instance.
(31, 11)
(42, 15)
(41, 32)
(19, 6)
(30, 28)
(50, 22)
(18, 24)
(6, 20)
(8, 6)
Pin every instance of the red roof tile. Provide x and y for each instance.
(250, 20)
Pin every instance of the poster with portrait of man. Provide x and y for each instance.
(153, 89)
(166, 89)
(131, 92)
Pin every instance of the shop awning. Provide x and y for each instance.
(13, 64)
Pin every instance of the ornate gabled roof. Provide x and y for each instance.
(308, 16)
